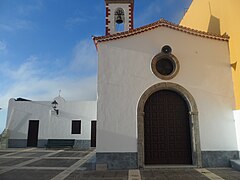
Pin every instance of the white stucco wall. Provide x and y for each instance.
(125, 73)
(237, 125)
(51, 126)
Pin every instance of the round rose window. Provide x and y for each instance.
(165, 66)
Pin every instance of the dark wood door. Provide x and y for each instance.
(33, 133)
(166, 129)
(93, 133)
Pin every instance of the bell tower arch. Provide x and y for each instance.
(119, 15)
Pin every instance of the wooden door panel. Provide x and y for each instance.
(33, 133)
(93, 133)
(166, 129)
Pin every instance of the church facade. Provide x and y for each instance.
(165, 95)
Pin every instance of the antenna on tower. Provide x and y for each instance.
(59, 94)
(210, 9)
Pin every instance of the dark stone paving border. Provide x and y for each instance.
(22, 174)
(175, 174)
(89, 165)
(48, 165)
(53, 163)
(226, 173)
(97, 175)
(12, 161)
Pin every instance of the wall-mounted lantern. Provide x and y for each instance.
(55, 106)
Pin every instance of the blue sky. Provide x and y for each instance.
(46, 45)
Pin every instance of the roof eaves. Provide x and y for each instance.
(160, 23)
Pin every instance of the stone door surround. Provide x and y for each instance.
(193, 117)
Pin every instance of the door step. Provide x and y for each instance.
(235, 164)
(170, 167)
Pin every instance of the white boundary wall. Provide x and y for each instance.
(51, 126)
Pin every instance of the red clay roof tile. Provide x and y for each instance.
(160, 23)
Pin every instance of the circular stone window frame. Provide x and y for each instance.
(171, 57)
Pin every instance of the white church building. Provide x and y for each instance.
(34, 123)
(165, 98)
(165, 95)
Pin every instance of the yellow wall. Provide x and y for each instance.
(219, 16)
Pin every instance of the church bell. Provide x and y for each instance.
(119, 16)
(119, 19)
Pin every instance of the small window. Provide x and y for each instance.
(76, 127)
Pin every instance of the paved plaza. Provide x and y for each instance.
(42, 164)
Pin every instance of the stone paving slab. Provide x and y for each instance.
(43, 150)
(174, 174)
(12, 161)
(98, 175)
(70, 154)
(11, 149)
(3, 153)
(53, 163)
(33, 174)
(226, 173)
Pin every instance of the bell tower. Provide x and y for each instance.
(119, 15)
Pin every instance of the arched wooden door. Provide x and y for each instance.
(166, 129)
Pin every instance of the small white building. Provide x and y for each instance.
(165, 95)
(32, 123)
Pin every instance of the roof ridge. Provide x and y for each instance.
(160, 23)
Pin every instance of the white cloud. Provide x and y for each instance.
(23, 24)
(28, 81)
(19, 21)
(74, 21)
(30, 7)
(18, 24)
(36, 88)
(33, 80)
(6, 27)
(46, 89)
(3, 46)
(84, 57)
(25, 71)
